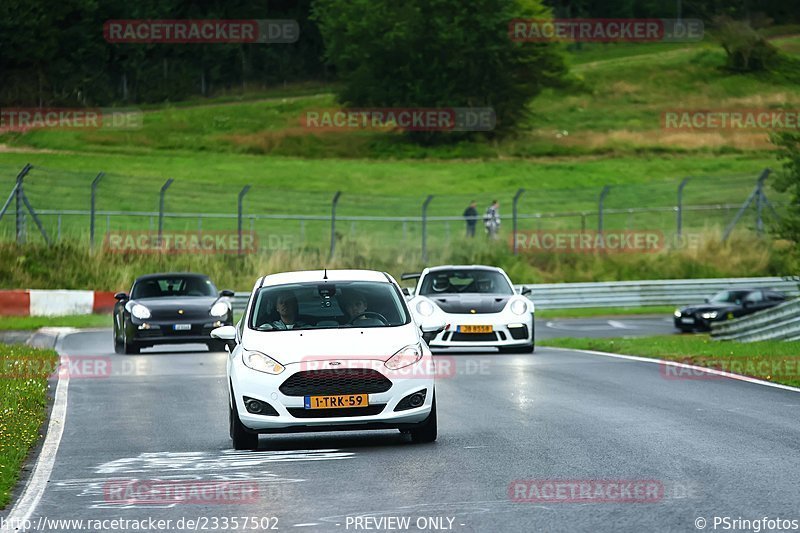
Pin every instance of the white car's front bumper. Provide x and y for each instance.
(507, 331)
(292, 415)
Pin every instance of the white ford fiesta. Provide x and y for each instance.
(326, 351)
(479, 306)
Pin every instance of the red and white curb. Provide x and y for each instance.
(35, 302)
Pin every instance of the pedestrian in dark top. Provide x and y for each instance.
(471, 217)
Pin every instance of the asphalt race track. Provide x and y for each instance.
(712, 447)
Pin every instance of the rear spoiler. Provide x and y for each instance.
(411, 275)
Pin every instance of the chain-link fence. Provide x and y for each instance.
(67, 205)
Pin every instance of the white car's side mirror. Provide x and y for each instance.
(430, 328)
(225, 333)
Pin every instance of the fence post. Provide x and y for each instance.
(333, 223)
(161, 208)
(13, 194)
(95, 183)
(425, 227)
(680, 206)
(239, 203)
(520, 192)
(757, 192)
(20, 213)
(603, 194)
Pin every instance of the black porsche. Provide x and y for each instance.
(171, 308)
(725, 305)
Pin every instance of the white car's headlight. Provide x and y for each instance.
(425, 308)
(710, 316)
(518, 307)
(220, 309)
(139, 311)
(262, 363)
(677, 313)
(405, 357)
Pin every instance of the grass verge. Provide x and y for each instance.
(23, 402)
(774, 361)
(30, 323)
(604, 311)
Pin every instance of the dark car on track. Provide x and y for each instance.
(171, 308)
(726, 305)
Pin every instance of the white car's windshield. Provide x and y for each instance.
(326, 305)
(465, 281)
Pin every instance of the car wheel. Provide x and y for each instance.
(427, 430)
(528, 348)
(118, 346)
(242, 439)
(216, 346)
(130, 347)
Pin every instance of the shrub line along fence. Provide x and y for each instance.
(22, 206)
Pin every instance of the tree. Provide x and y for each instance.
(788, 144)
(437, 53)
(746, 49)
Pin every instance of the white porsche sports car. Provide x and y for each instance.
(329, 350)
(479, 306)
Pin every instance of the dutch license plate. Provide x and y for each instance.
(688, 320)
(182, 327)
(337, 401)
(475, 329)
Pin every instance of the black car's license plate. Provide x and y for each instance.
(182, 327)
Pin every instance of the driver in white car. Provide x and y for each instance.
(354, 304)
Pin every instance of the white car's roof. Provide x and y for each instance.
(317, 275)
(463, 267)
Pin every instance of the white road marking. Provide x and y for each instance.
(722, 373)
(621, 325)
(26, 505)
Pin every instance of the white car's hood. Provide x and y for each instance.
(289, 347)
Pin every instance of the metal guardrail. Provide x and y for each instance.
(646, 293)
(777, 323)
(627, 293)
